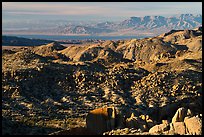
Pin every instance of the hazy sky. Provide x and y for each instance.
(95, 11)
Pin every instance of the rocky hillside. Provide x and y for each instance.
(50, 87)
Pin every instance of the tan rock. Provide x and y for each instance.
(150, 123)
(179, 115)
(159, 128)
(193, 125)
(143, 117)
(189, 113)
(132, 121)
(135, 122)
(165, 121)
(175, 87)
(169, 132)
(179, 128)
(101, 120)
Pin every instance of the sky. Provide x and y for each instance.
(93, 11)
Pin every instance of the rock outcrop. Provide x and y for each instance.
(193, 125)
(101, 120)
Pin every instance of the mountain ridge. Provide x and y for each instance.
(145, 24)
(135, 25)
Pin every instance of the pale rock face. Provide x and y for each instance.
(179, 128)
(179, 115)
(101, 120)
(159, 128)
(193, 125)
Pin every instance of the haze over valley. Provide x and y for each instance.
(138, 26)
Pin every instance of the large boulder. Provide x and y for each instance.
(179, 128)
(159, 128)
(101, 120)
(180, 114)
(193, 125)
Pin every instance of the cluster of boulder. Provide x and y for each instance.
(145, 90)
(182, 123)
(107, 121)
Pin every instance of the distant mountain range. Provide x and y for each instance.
(184, 21)
(147, 25)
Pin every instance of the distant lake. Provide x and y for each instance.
(65, 37)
